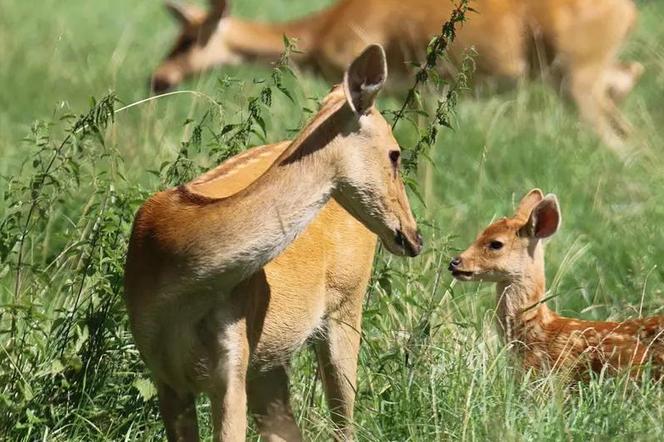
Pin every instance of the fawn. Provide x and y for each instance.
(577, 40)
(510, 252)
(197, 252)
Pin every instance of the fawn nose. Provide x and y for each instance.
(454, 264)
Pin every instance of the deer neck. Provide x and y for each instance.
(239, 234)
(265, 41)
(522, 313)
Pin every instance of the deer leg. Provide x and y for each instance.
(178, 412)
(588, 90)
(269, 403)
(621, 79)
(590, 65)
(229, 397)
(337, 358)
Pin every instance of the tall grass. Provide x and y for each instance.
(431, 366)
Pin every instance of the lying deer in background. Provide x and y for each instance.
(510, 252)
(513, 38)
(199, 303)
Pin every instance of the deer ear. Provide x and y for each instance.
(545, 218)
(364, 78)
(527, 203)
(218, 10)
(184, 14)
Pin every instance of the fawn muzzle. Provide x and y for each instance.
(454, 264)
(457, 270)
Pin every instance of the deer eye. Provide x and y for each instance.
(496, 245)
(185, 43)
(394, 157)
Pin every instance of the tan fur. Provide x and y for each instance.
(543, 339)
(224, 181)
(209, 310)
(579, 39)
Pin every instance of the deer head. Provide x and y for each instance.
(200, 45)
(369, 184)
(509, 249)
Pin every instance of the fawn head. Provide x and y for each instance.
(508, 248)
(200, 45)
(369, 184)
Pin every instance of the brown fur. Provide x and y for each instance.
(576, 39)
(543, 339)
(213, 313)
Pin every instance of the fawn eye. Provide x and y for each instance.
(394, 157)
(495, 245)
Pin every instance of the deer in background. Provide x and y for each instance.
(578, 40)
(200, 304)
(510, 253)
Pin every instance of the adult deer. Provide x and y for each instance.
(510, 252)
(200, 304)
(579, 39)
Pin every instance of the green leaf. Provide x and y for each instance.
(27, 392)
(145, 388)
(56, 367)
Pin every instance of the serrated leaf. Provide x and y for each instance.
(145, 388)
(27, 392)
(56, 367)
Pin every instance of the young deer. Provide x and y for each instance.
(579, 38)
(199, 302)
(510, 252)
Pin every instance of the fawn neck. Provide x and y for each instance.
(521, 312)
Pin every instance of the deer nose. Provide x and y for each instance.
(415, 249)
(454, 264)
(159, 84)
(412, 246)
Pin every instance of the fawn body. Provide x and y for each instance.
(510, 253)
(579, 39)
(199, 302)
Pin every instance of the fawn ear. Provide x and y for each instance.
(527, 203)
(184, 14)
(218, 10)
(364, 78)
(545, 218)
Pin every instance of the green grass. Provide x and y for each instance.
(432, 367)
